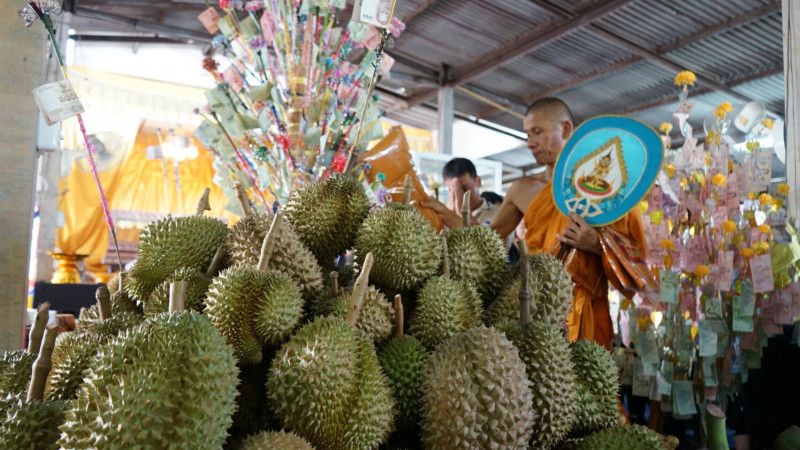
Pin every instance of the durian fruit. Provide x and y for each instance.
(623, 437)
(551, 299)
(290, 256)
(16, 365)
(477, 255)
(275, 440)
(402, 360)
(172, 243)
(598, 384)
(27, 421)
(254, 306)
(169, 381)
(445, 307)
(326, 384)
(376, 317)
(406, 248)
(546, 355)
(327, 215)
(476, 394)
(197, 287)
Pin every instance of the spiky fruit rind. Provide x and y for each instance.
(170, 380)
(551, 293)
(290, 255)
(275, 440)
(626, 437)
(406, 248)
(15, 372)
(546, 355)
(31, 424)
(402, 361)
(197, 286)
(253, 309)
(445, 307)
(169, 244)
(326, 385)
(476, 394)
(477, 256)
(327, 215)
(377, 314)
(598, 383)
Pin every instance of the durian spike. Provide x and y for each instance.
(525, 286)
(177, 296)
(103, 296)
(241, 195)
(445, 258)
(269, 242)
(408, 188)
(334, 282)
(203, 204)
(466, 210)
(359, 291)
(38, 326)
(213, 268)
(398, 317)
(42, 365)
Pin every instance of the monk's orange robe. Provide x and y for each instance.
(590, 317)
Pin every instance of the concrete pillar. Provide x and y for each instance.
(445, 132)
(791, 70)
(21, 50)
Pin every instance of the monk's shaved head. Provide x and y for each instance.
(553, 109)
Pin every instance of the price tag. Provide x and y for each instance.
(374, 12)
(57, 101)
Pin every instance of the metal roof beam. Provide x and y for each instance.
(143, 25)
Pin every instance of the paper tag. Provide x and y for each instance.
(743, 324)
(57, 101)
(732, 192)
(641, 381)
(267, 27)
(664, 385)
(795, 287)
(210, 19)
(761, 267)
(713, 308)
(683, 398)
(748, 299)
(762, 168)
(708, 339)
(227, 27)
(669, 286)
(233, 78)
(647, 348)
(782, 305)
(374, 12)
(724, 270)
(710, 372)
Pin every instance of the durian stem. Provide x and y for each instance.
(241, 195)
(38, 326)
(42, 365)
(216, 262)
(359, 291)
(269, 242)
(122, 276)
(203, 204)
(177, 296)
(466, 210)
(398, 316)
(408, 188)
(103, 296)
(525, 285)
(335, 282)
(445, 258)
(715, 423)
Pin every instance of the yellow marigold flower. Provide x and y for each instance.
(643, 322)
(783, 189)
(699, 178)
(729, 226)
(701, 271)
(719, 180)
(777, 203)
(764, 228)
(708, 159)
(752, 145)
(656, 216)
(747, 252)
(761, 247)
(767, 123)
(720, 113)
(751, 195)
(665, 127)
(765, 199)
(667, 244)
(685, 78)
(669, 169)
(726, 106)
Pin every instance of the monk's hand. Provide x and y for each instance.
(448, 216)
(579, 234)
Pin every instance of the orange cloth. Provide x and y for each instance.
(589, 318)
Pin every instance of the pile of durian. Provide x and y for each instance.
(234, 338)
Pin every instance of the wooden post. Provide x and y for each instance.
(791, 61)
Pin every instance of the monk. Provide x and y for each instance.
(549, 123)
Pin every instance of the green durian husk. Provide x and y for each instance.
(376, 319)
(406, 248)
(478, 257)
(476, 393)
(171, 379)
(15, 372)
(275, 440)
(327, 215)
(196, 289)
(30, 424)
(253, 309)
(597, 379)
(444, 308)
(547, 358)
(622, 437)
(327, 386)
(403, 360)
